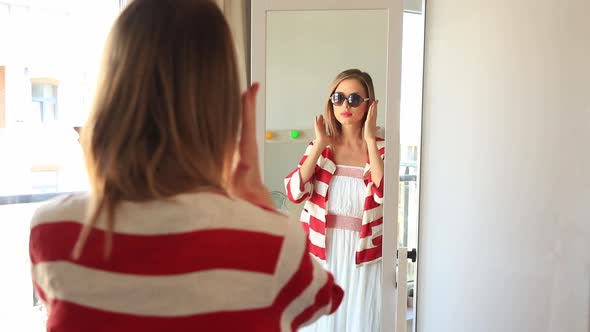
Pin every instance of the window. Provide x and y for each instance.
(49, 57)
(44, 94)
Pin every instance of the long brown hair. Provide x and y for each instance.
(334, 127)
(167, 109)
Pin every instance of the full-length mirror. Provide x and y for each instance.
(310, 57)
(330, 74)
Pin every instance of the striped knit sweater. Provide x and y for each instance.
(200, 262)
(315, 193)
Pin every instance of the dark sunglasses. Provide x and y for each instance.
(354, 99)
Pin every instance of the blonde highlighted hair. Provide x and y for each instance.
(167, 110)
(334, 127)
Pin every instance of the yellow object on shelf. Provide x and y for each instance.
(269, 135)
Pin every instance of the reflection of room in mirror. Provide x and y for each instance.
(298, 135)
(305, 51)
(289, 135)
(282, 152)
(303, 57)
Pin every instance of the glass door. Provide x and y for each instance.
(409, 170)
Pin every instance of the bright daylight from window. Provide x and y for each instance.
(49, 57)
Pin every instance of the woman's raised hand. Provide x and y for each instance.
(370, 130)
(245, 182)
(321, 136)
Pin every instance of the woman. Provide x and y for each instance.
(340, 178)
(176, 233)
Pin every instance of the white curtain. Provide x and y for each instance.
(237, 13)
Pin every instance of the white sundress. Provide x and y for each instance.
(360, 310)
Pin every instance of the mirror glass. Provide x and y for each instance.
(305, 51)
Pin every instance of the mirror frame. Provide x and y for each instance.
(259, 9)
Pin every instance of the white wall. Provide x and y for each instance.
(305, 52)
(505, 229)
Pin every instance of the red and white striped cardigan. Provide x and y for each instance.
(198, 262)
(316, 192)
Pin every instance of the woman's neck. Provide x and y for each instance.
(350, 136)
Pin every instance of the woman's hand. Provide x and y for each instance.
(245, 182)
(321, 136)
(370, 133)
(370, 130)
(322, 140)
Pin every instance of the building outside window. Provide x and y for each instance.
(44, 93)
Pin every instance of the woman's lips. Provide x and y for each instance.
(346, 114)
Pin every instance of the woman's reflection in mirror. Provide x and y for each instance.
(340, 181)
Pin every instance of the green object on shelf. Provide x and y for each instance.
(295, 134)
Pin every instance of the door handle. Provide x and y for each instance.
(412, 255)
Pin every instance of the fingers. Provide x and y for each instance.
(373, 112)
(248, 146)
(246, 174)
(322, 123)
(319, 124)
(371, 121)
(316, 127)
(374, 106)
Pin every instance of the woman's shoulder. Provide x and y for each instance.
(71, 207)
(183, 213)
(282, 235)
(264, 219)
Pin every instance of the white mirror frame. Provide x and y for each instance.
(392, 118)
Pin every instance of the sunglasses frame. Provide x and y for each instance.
(347, 99)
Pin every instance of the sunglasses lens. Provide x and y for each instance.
(337, 98)
(355, 100)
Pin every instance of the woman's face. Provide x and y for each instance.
(345, 113)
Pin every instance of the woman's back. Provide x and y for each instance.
(199, 261)
(153, 248)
